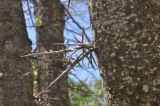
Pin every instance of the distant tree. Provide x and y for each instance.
(49, 26)
(128, 46)
(16, 85)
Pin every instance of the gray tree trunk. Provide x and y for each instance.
(51, 13)
(16, 87)
(127, 39)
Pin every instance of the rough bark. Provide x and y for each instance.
(51, 13)
(128, 49)
(16, 86)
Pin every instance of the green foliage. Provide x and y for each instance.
(82, 94)
(35, 75)
(38, 21)
(35, 70)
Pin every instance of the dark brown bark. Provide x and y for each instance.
(51, 13)
(127, 39)
(15, 87)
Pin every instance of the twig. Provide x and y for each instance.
(50, 52)
(70, 30)
(83, 45)
(78, 79)
(79, 26)
(30, 13)
(69, 3)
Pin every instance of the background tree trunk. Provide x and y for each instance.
(51, 13)
(128, 49)
(16, 86)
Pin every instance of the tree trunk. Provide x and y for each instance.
(16, 86)
(50, 13)
(128, 49)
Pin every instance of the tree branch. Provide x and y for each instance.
(78, 59)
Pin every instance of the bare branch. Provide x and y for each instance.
(72, 31)
(78, 59)
(49, 52)
(79, 26)
(30, 13)
(70, 66)
(83, 45)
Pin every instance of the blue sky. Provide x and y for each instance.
(80, 13)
